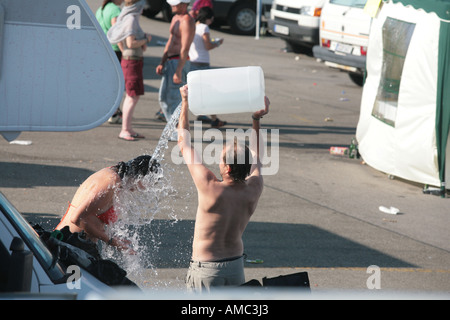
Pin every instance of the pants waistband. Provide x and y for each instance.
(132, 58)
(200, 64)
(175, 57)
(200, 263)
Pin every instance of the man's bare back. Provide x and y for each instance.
(224, 210)
(224, 207)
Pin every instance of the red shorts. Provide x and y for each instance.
(134, 77)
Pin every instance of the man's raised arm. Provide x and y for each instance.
(200, 174)
(184, 134)
(255, 146)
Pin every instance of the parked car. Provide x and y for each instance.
(296, 21)
(240, 15)
(28, 267)
(156, 6)
(344, 37)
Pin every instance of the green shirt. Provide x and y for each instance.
(105, 16)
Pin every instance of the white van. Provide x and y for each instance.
(344, 36)
(296, 22)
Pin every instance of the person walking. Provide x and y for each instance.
(133, 39)
(107, 17)
(174, 64)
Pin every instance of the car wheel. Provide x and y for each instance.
(357, 78)
(242, 19)
(153, 8)
(149, 13)
(298, 48)
(167, 12)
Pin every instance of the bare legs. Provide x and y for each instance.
(128, 107)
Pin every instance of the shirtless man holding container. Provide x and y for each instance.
(224, 206)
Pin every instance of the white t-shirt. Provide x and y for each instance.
(197, 51)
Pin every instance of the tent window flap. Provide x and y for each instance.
(397, 36)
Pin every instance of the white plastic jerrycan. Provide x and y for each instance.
(226, 90)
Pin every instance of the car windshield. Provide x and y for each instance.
(31, 238)
(350, 3)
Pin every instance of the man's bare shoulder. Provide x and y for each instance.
(182, 18)
(255, 182)
(203, 178)
(187, 20)
(188, 17)
(104, 178)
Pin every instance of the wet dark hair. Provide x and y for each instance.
(139, 166)
(238, 170)
(204, 14)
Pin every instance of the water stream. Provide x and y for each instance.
(171, 126)
(147, 216)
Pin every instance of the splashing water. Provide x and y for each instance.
(138, 209)
(158, 153)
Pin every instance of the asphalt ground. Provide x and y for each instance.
(319, 213)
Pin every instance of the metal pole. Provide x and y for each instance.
(258, 18)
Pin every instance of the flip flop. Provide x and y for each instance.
(128, 138)
(160, 116)
(137, 136)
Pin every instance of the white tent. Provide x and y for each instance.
(400, 130)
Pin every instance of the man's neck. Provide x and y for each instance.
(228, 180)
(181, 11)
